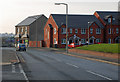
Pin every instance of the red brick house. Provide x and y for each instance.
(30, 31)
(111, 22)
(55, 30)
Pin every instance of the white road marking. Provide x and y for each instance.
(13, 68)
(72, 65)
(99, 75)
(21, 70)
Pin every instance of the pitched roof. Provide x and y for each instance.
(104, 15)
(75, 21)
(29, 20)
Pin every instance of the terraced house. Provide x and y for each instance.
(55, 30)
(31, 31)
(111, 23)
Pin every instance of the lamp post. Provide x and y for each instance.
(88, 30)
(66, 23)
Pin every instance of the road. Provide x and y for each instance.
(46, 64)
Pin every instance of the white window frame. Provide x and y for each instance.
(109, 31)
(63, 30)
(98, 31)
(83, 31)
(83, 41)
(98, 40)
(22, 29)
(109, 20)
(76, 31)
(46, 30)
(18, 30)
(70, 30)
(26, 29)
(48, 34)
(63, 41)
(55, 31)
(117, 30)
(91, 30)
(55, 42)
(109, 40)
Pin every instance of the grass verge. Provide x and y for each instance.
(109, 48)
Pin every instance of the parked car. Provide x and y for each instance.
(73, 45)
(20, 47)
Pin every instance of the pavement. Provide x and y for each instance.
(62, 51)
(37, 64)
(10, 65)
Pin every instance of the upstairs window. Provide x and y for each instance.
(25, 29)
(55, 31)
(76, 30)
(48, 35)
(109, 20)
(117, 30)
(71, 31)
(83, 31)
(22, 29)
(63, 30)
(98, 31)
(109, 31)
(18, 30)
(91, 30)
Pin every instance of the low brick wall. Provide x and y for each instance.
(109, 55)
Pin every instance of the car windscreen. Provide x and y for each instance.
(23, 45)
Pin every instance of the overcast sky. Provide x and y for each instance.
(13, 12)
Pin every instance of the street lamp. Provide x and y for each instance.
(66, 23)
(88, 31)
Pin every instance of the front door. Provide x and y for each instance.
(70, 41)
(91, 41)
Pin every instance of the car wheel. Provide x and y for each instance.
(25, 50)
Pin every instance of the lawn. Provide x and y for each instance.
(110, 48)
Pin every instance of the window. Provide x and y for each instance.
(71, 31)
(48, 35)
(22, 29)
(83, 41)
(83, 31)
(109, 31)
(25, 29)
(91, 30)
(63, 31)
(76, 30)
(46, 31)
(109, 20)
(98, 31)
(117, 30)
(98, 40)
(109, 40)
(54, 30)
(63, 41)
(55, 42)
(17, 30)
(112, 30)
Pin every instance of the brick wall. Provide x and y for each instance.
(49, 42)
(33, 43)
(85, 36)
(113, 34)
